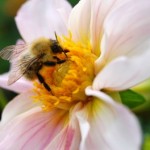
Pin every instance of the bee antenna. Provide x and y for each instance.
(61, 48)
(65, 54)
(56, 36)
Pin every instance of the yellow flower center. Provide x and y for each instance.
(69, 79)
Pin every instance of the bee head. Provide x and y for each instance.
(56, 48)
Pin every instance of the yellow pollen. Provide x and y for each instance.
(67, 80)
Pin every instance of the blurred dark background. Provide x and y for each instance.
(8, 36)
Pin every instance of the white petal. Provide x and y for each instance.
(126, 32)
(38, 18)
(86, 21)
(123, 73)
(20, 86)
(79, 21)
(18, 105)
(99, 11)
(84, 128)
(33, 129)
(112, 126)
(20, 41)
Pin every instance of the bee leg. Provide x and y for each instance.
(66, 51)
(50, 63)
(59, 61)
(55, 57)
(41, 79)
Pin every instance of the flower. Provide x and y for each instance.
(108, 43)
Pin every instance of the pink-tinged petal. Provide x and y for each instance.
(79, 21)
(22, 85)
(126, 32)
(69, 138)
(112, 126)
(33, 129)
(38, 18)
(18, 105)
(123, 73)
(64, 140)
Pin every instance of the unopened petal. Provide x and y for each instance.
(112, 126)
(22, 85)
(38, 18)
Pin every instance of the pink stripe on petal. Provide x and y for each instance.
(69, 138)
(70, 135)
(64, 140)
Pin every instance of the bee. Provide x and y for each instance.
(28, 59)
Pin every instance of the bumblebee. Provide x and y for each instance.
(28, 59)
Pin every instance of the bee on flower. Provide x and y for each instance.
(107, 52)
(28, 60)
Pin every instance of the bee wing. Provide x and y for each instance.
(13, 51)
(19, 68)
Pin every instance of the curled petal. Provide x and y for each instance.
(38, 18)
(123, 73)
(20, 86)
(126, 32)
(112, 126)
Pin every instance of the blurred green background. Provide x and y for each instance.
(9, 35)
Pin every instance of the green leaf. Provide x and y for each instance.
(73, 2)
(3, 100)
(131, 98)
